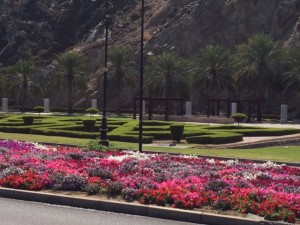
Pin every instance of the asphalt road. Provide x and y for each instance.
(15, 212)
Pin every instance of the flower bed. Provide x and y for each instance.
(268, 190)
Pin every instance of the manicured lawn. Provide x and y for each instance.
(280, 153)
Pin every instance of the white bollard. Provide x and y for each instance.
(94, 103)
(188, 109)
(283, 113)
(46, 105)
(233, 108)
(4, 104)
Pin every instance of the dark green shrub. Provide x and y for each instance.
(239, 118)
(39, 109)
(91, 111)
(28, 120)
(177, 132)
(215, 138)
(89, 124)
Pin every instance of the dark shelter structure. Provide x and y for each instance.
(250, 104)
(167, 101)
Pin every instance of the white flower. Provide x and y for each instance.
(230, 162)
(211, 161)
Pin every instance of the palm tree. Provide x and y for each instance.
(212, 73)
(20, 78)
(291, 78)
(256, 64)
(69, 73)
(121, 71)
(2, 80)
(168, 76)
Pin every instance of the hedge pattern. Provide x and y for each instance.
(126, 130)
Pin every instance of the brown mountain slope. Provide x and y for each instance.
(40, 29)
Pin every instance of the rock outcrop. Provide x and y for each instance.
(41, 29)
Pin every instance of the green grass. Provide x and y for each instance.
(280, 153)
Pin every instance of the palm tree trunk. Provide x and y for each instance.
(70, 96)
(23, 95)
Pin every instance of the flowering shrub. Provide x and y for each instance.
(187, 182)
(128, 194)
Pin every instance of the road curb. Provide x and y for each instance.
(131, 208)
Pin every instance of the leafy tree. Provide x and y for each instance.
(121, 72)
(212, 72)
(256, 64)
(21, 79)
(69, 73)
(168, 76)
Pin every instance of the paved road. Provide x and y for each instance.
(15, 212)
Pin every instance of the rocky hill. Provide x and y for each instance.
(40, 29)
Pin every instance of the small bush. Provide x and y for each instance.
(95, 145)
(239, 117)
(91, 111)
(100, 172)
(28, 120)
(39, 109)
(92, 188)
(114, 189)
(128, 194)
(177, 132)
(73, 182)
(222, 204)
(89, 124)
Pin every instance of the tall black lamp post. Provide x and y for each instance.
(103, 129)
(141, 81)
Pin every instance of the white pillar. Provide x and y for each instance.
(283, 113)
(188, 108)
(94, 103)
(46, 105)
(4, 105)
(144, 107)
(233, 108)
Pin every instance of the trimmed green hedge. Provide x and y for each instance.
(265, 132)
(126, 130)
(130, 138)
(28, 120)
(153, 128)
(89, 124)
(20, 129)
(57, 132)
(157, 135)
(177, 132)
(215, 138)
(126, 133)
